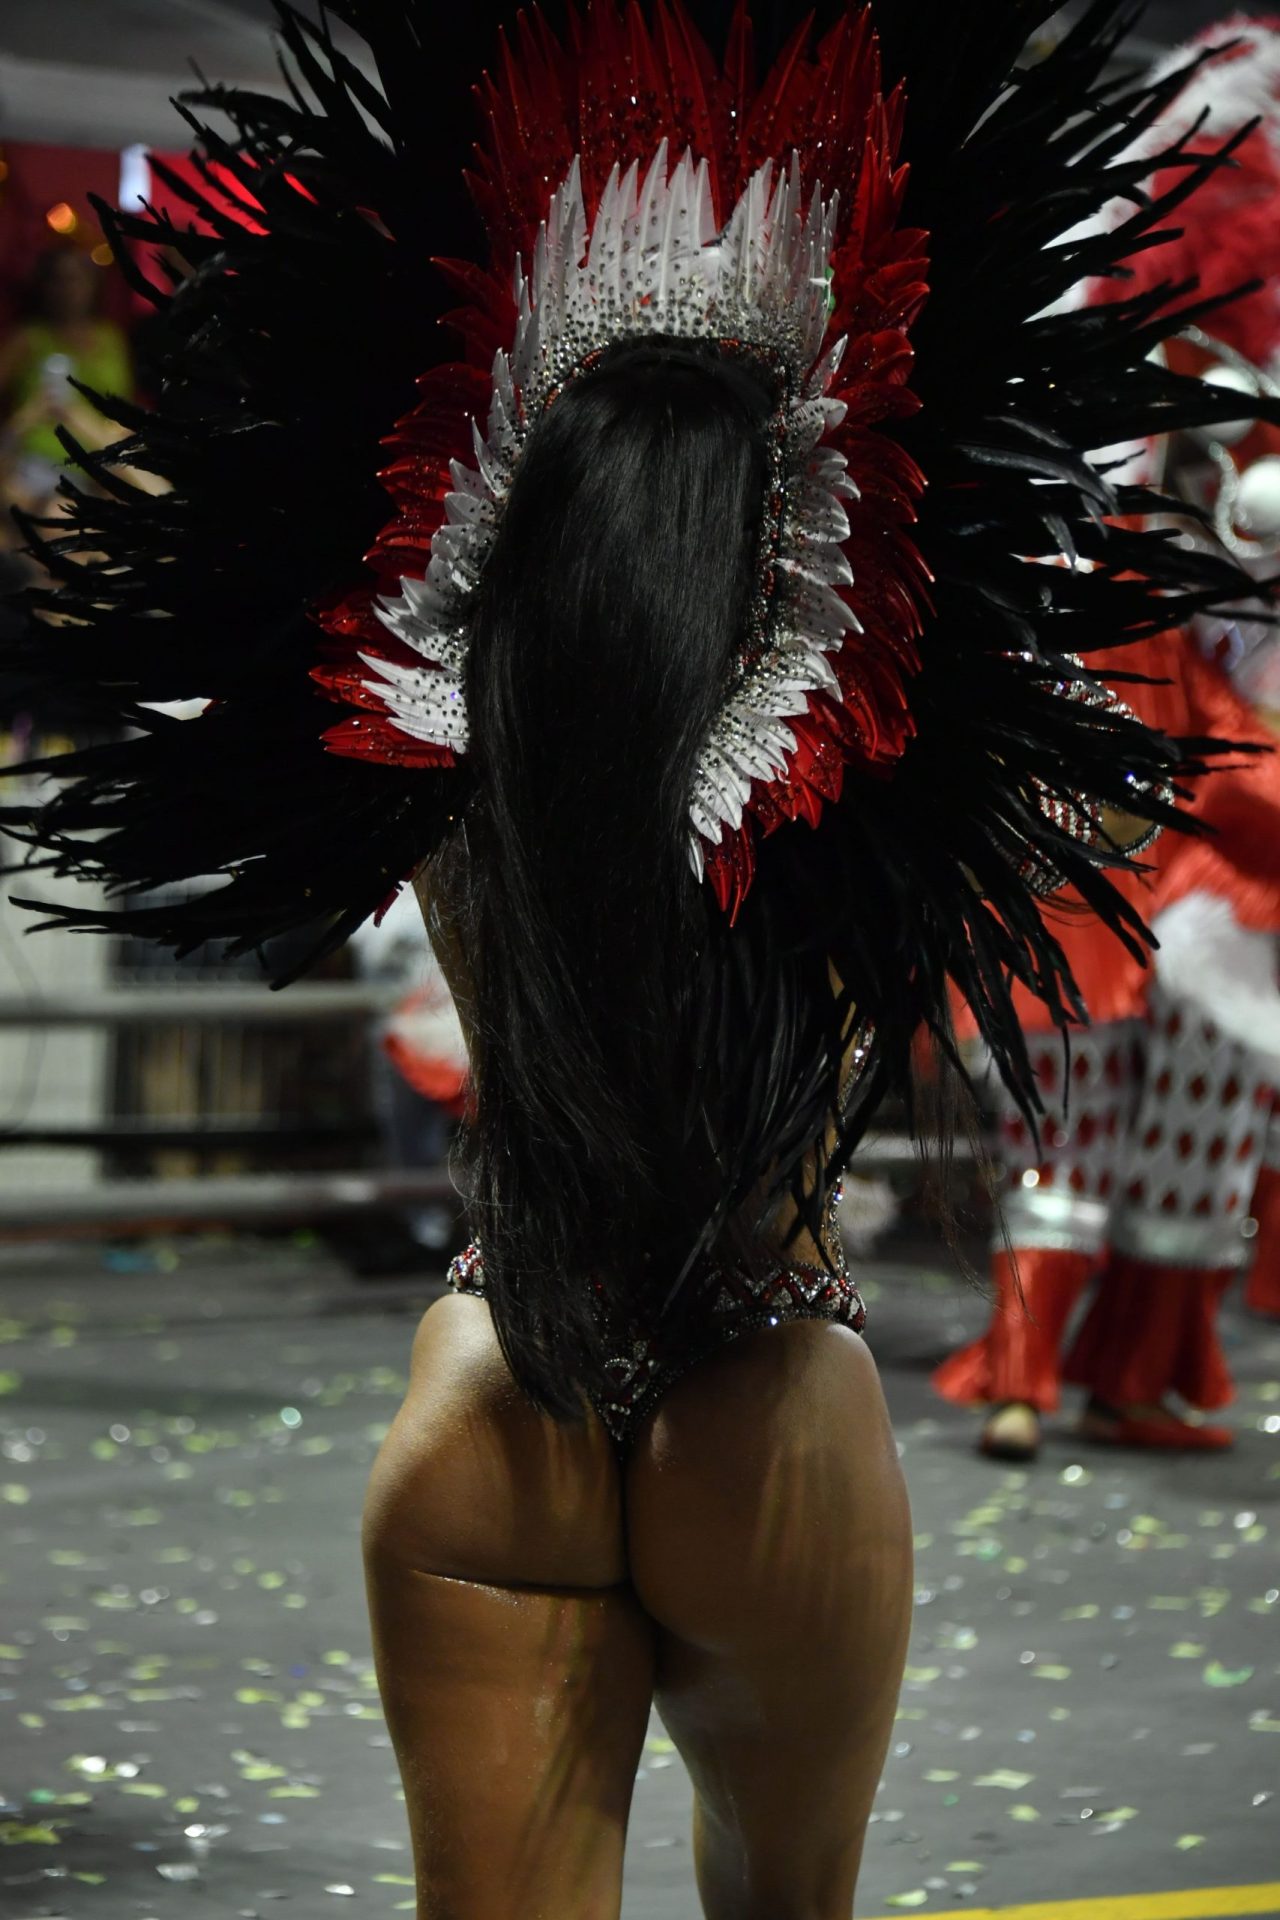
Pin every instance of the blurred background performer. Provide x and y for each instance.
(678, 624)
(1152, 1148)
(61, 338)
(1155, 1122)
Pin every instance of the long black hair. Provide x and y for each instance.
(610, 618)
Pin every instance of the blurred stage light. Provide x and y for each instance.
(102, 256)
(62, 218)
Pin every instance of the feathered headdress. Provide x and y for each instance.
(880, 223)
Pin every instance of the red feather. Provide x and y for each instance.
(610, 91)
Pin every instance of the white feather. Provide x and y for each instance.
(652, 261)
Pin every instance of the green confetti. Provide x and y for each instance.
(9, 1381)
(392, 1880)
(15, 1493)
(14, 1834)
(1264, 1723)
(1118, 1816)
(1005, 1777)
(922, 1676)
(941, 1776)
(1186, 1841)
(915, 1898)
(1021, 1812)
(1087, 1612)
(1045, 1671)
(1186, 1650)
(1216, 1675)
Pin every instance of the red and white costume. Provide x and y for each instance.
(1157, 1117)
(1147, 1169)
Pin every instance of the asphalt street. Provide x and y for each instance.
(1091, 1710)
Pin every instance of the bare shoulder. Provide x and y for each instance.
(474, 1483)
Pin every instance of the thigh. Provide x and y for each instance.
(518, 1717)
(515, 1663)
(770, 1541)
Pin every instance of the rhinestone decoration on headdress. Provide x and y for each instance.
(653, 263)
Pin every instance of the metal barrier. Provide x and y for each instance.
(281, 1198)
(246, 1200)
(308, 1000)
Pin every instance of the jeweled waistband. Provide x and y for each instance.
(640, 1370)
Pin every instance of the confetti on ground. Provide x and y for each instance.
(186, 1679)
(1216, 1675)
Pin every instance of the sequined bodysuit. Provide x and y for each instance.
(643, 1368)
